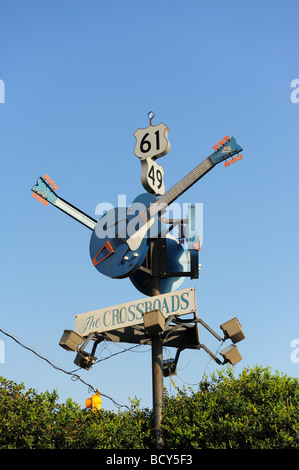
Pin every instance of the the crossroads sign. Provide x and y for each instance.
(179, 302)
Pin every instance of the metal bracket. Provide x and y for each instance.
(199, 320)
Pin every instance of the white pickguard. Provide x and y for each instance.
(135, 240)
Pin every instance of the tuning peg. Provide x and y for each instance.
(40, 199)
(51, 182)
(233, 160)
(221, 142)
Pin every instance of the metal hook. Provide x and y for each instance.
(151, 116)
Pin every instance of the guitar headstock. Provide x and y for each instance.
(43, 191)
(226, 148)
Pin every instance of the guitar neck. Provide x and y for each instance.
(75, 213)
(44, 193)
(185, 183)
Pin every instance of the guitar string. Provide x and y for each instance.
(182, 186)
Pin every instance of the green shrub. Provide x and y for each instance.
(256, 410)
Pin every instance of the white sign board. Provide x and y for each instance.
(152, 142)
(152, 177)
(179, 302)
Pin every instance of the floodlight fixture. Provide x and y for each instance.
(231, 354)
(154, 322)
(84, 360)
(70, 340)
(232, 329)
(169, 367)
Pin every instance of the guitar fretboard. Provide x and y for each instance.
(182, 186)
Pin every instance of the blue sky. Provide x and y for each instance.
(80, 78)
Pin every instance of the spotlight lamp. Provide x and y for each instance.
(231, 354)
(232, 329)
(70, 340)
(169, 367)
(154, 322)
(84, 360)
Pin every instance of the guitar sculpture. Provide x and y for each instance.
(44, 192)
(119, 240)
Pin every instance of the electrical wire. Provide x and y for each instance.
(205, 368)
(185, 365)
(204, 372)
(114, 354)
(130, 349)
(72, 374)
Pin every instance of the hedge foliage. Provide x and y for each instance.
(256, 410)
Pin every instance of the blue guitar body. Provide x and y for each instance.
(109, 251)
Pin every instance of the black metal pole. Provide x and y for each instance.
(157, 377)
(157, 347)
